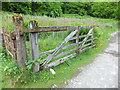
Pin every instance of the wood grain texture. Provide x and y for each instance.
(65, 47)
(82, 36)
(77, 41)
(57, 28)
(85, 39)
(57, 62)
(21, 46)
(34, 49)
(50, 57)
(64, 53)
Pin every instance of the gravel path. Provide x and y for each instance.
(103, 72)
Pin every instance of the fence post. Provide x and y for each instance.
(77, 40)
(34, 45)
(20, 39)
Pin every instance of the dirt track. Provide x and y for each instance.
(103, 72)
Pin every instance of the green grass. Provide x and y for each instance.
(12, 77)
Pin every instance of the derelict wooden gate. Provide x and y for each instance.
(21, 55)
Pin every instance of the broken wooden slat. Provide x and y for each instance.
(13, 49)
(46, 52)
(87, 48)
(87, 44)
(34, 45)
(64, 53)
(13, 44)
(9, 53)
(67, 46)
(57, 62)
(50, 57)
(6, 42)
(82, 36)
(85, 39)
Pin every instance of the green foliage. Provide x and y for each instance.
(105, 10)
(10, 69)
(55, 9)
(21, 7)
(81, 8)
(51, 9)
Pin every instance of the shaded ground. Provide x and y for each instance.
(103, 72)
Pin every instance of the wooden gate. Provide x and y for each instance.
(19, 44)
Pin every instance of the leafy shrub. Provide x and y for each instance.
(55, 9)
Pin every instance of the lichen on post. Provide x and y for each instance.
(20, 39)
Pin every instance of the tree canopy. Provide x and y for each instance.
(56, 9)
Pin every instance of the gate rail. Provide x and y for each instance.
(15, 45)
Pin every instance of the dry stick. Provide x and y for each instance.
(13, 45)
(5, 40)
(50, 57)
(34, 45)
(21, 46)
(13, 49)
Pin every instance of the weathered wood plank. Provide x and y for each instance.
(87, 44)
(91, 26)
(57, 62)
(77, 41)
(81, 36)
(34, 46)
(51, 51)
(64, 53)
(87, 48)
(46, 52)
(21, 46)
(50, 57)
(67, 46)
(57, 28)
(85, 39)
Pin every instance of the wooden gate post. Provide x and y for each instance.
(34, 45)
(77, 40)
(20, 39)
